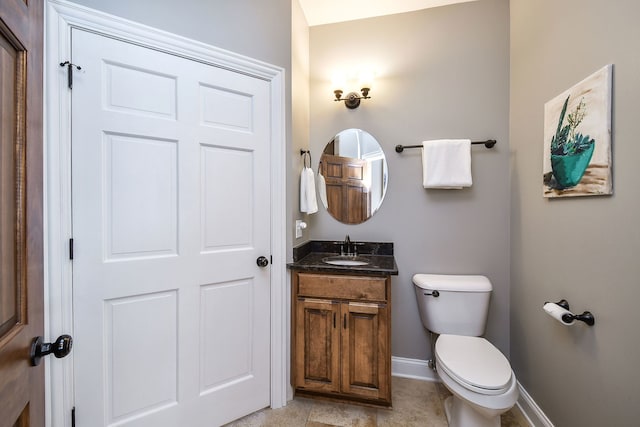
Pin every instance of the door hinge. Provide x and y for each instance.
(70, 68)
(71, 249)
(73, 417)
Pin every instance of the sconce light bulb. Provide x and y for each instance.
(338, 80)
(366, 79)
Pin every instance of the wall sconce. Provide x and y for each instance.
(352, 100)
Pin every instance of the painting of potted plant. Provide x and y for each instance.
(570, 150)
(577, 146)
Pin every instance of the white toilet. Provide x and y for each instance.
(477, 374)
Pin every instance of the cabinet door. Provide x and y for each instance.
(366, 350)
(317, 340)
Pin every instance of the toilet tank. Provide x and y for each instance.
(451, 304)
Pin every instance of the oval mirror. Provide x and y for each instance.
(354, 173)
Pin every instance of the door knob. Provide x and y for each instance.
(60, 348)
(262, 261)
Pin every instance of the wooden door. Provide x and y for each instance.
(21, 217)
(365, 350)
(171, 202)
(317, 341)
(346, 181)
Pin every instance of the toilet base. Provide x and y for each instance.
(460, 414)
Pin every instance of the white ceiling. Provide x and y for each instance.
(320, 12)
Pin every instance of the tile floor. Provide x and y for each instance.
(415, 403)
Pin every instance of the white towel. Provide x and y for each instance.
(308, 202)
(446, 163)
(322, 190)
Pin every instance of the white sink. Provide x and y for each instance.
(344, 260)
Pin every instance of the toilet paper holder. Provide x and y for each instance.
(586, 317)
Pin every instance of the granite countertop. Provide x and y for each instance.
(308, 257)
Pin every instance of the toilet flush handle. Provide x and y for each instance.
(434, 294)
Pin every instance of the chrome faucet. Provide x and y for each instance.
(347, 244)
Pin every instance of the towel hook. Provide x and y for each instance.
(305, 154)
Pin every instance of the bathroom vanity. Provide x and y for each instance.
(341, 322)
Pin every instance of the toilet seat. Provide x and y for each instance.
(474, 363)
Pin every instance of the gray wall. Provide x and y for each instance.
(441, 73)
(583, 249)
(254, 28)
(300, 112)
(300, 130)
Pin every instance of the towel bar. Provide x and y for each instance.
(488, 143)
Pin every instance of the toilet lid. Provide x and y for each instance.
(474, 362)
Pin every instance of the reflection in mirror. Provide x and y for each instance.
(353, 176)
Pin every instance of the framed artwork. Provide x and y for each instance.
(577, 139)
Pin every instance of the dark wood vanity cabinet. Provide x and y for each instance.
(341, 336)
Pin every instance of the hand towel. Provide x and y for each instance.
(446, 163)
(322, 190)
(308, 202)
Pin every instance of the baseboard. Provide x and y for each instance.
(419, 369)
(412, 368)
(531, 410)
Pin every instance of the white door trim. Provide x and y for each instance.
(60, 17)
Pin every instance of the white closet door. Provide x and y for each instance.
(171, 203)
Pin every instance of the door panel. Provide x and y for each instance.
(224, 108)
(21, 238)
(134, 385)
(317, 341)
(365, 349)
(226, 314)
(139, 92)
(171, 202)
(235, 167)
(132, 166)
(348, 195)
(11, 186)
